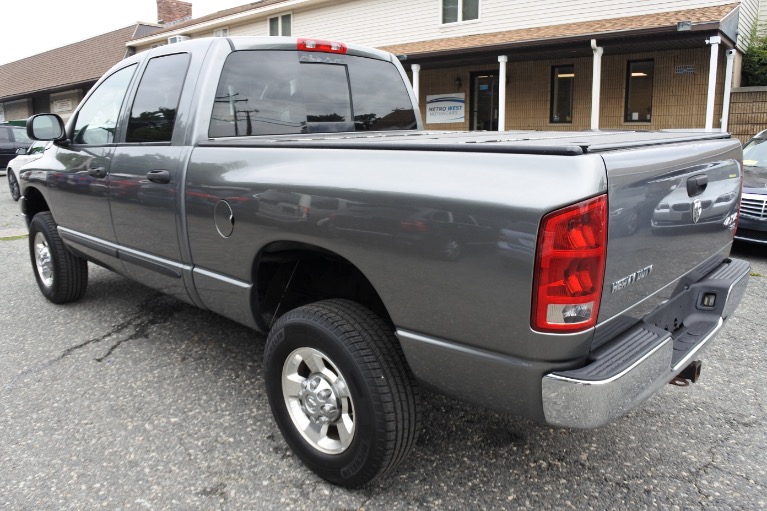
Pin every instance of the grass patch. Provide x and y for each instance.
(11, 238)
(756, 274)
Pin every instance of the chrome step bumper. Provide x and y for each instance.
(629, 369)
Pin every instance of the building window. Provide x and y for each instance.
(454, 11)
(639, 77)
(562, 78)
(280, 25)
(221, 32)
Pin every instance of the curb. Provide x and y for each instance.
(12, 233)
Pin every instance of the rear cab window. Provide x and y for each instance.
(265, 92)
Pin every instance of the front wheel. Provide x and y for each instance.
(341, 391)
(61, 276)
(13, 185)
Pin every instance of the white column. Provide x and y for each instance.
(502, 60)
(596, 84)
(714, 42)
(416, 68)
(727, 89)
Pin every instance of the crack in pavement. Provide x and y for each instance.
(152, 311)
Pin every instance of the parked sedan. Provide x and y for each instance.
(12, 138)
(752, 225)
(25, 156)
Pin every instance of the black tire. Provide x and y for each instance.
(372, 386)
(13, 185)
(61, 276)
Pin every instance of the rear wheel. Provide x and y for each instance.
(61, 276)
(13, 185)
(450, 250)
(341, 391)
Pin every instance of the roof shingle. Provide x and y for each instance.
(588, 28)
(73, 64)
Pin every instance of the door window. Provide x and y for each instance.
(484, 102)
(153, 114)
(562, 78)
(97, 119)
(639, 91)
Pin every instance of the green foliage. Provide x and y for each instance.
(754, 70)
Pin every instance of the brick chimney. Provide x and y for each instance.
(173, 11)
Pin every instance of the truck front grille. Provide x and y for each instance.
(754, 205)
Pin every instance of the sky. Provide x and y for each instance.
(35, 26)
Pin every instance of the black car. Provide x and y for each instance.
(752, 225)
(11, 139)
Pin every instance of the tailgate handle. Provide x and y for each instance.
(158, 176)
(697, 185)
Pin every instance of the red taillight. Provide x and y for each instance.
(569, 267)
(320, 45)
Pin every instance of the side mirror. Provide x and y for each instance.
(21, 150)
(46, 127)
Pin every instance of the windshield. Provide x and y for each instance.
(755, 153)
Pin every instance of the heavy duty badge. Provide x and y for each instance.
(630, 279)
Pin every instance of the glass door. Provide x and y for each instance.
(484, 101)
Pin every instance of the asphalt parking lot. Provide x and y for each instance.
(132, 400)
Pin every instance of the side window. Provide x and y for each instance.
(5, 135)
(280, 25)
(153, 114)
(97, 119)
(454, 11)
(37, 148)
(20, 134)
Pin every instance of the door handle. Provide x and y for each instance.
(697, 185)
(158, 176)
(99, 172)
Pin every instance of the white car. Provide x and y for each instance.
(25, 156)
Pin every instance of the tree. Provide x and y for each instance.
(754, 70)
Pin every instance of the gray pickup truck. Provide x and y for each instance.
(287, 184)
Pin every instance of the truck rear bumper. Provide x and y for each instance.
(629, 369)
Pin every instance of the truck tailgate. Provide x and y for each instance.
(672, 214)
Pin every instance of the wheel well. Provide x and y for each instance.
(34, 203)
(291, 274)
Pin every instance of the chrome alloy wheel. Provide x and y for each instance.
(318, 400)
(43, 260)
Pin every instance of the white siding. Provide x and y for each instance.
(388, 22)
(762, 17)
(381, 23)
(749, 12)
